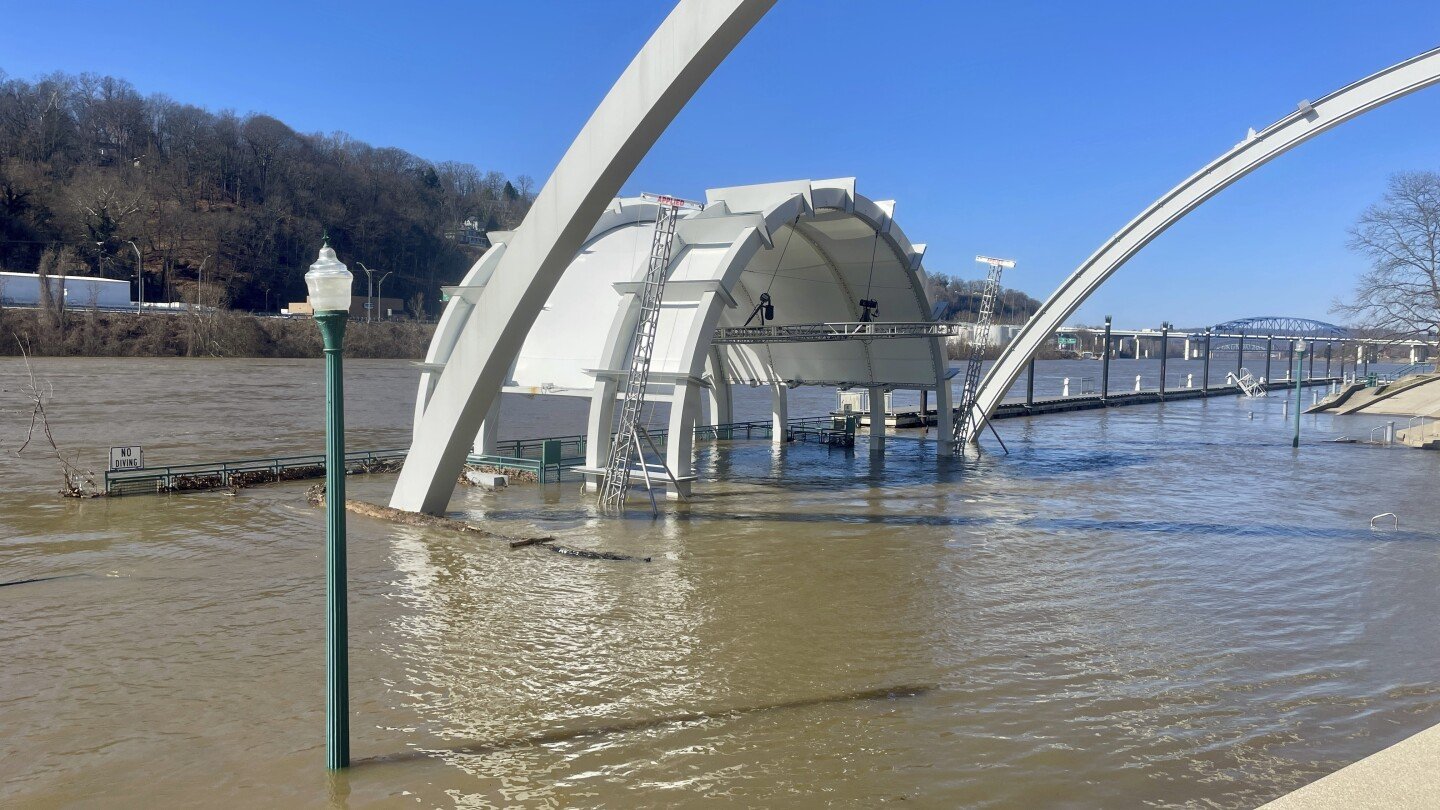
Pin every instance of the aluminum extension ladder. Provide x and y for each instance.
(967, 424)
(626, 450)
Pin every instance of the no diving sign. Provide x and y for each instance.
(127, 458)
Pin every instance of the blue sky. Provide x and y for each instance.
(1024, 129)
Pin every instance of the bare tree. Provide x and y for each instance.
(1400, 294)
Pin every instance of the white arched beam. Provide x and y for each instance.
(685, 407)
(1306, 122)
(675, 61)
(794, 211)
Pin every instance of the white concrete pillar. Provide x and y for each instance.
(680, 444)
(1189, 380)
(944, 418)
(1137, 383)
(722, 412)
(599, 433)
(487, 441)
(779, 411)
(1188, 355)
(1065, 387)
(877, 420)
(1414, 355)
(722, 408)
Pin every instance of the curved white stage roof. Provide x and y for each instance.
(839, 249)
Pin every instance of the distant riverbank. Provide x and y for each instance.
(89, 333)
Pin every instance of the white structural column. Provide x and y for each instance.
(779, 411)
(877, 421)
(944, 424)
(1307, 121)
(722, 409)
(945, 408)
(487, 442)
(672, 65)
(685, 405)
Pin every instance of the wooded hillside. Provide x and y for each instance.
(88, 164)
(956, 299)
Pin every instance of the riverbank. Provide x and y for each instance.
(223, 333)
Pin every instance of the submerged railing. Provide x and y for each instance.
(216, 475)
(547, 459)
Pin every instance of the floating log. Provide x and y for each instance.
(378, 512)
(316, 497)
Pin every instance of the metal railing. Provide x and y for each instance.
(214, 475)
(1421, 429)
(514, 464)
(566, 452)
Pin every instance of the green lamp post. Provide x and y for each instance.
(329, 282)
(1299, 365)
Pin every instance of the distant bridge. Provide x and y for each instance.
(1278, 326)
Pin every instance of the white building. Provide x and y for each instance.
(999, 336)
(81, 292)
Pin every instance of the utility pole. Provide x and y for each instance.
(379, 289)
(200, 283)
(139, 277)
(369, 290)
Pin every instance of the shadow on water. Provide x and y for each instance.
(903, 466)
(623, 726)
(33, 580)
(1031, 463)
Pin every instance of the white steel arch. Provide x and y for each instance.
(675, 61)
(672, 65)
(1258, 148)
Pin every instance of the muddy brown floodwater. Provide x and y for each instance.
(1151, 606)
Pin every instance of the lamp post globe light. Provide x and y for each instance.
(329, 282)
(1299, 365)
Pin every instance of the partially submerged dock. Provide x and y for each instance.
(1089, 401)
(547, 460)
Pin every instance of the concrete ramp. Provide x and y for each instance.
(1335, 400)
(1410, 396)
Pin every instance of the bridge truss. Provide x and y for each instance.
(1276, 326)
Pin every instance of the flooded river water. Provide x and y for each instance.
(1148, 606)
